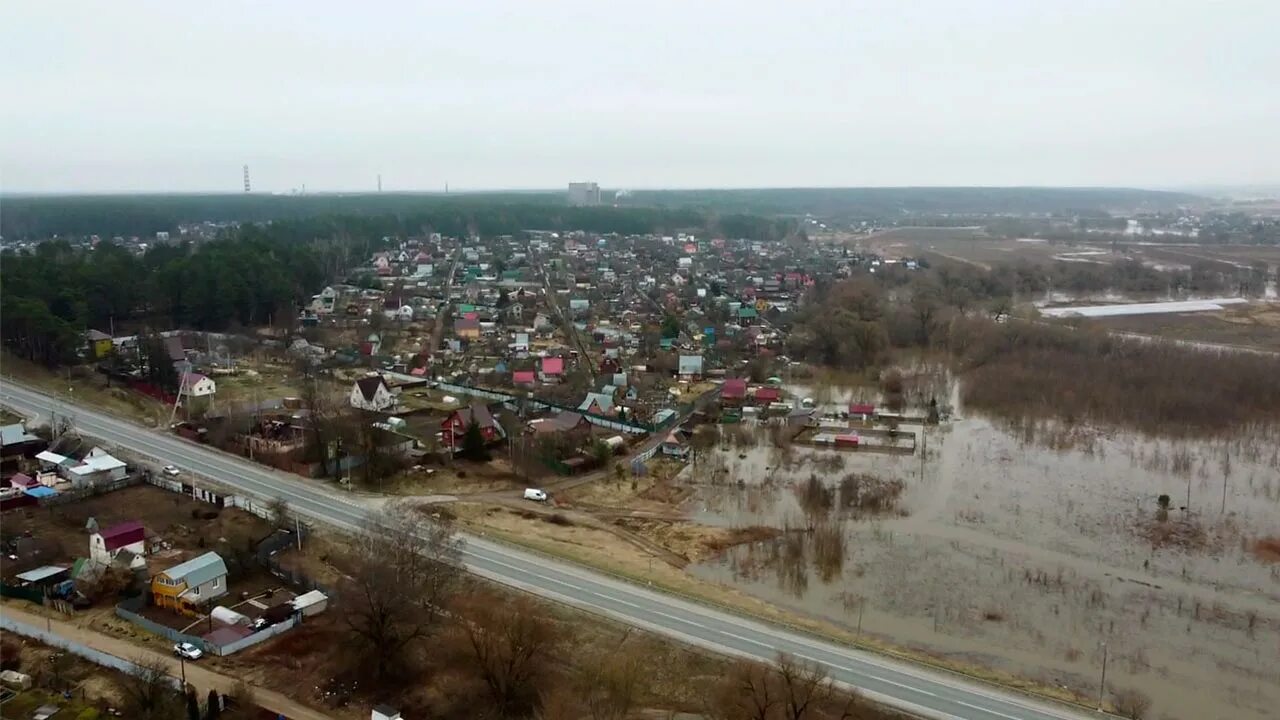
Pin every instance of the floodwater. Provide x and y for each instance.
(1025, 549)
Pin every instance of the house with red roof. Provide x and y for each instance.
(455, 426)
(865, 409)
(766, 395)
(734, 391)
(552, 369)
(106, 545)
(524, 378)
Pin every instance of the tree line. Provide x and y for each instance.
(254, 276)
(854, 323)
(38, 218)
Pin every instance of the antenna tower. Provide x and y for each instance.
(246, 178)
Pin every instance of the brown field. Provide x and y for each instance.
(1256, 325)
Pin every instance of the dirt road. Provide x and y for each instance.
(198, 675)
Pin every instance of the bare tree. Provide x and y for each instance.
(512, 647)
(787, 690)
(319, 410)
(611, 687)
(278, 507)
(1131, 703)
(408, 570)
(704, 440)
(149, 693)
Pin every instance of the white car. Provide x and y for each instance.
(187, 651)
(170, 470)
(535, 494)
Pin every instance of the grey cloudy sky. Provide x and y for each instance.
(176, 96)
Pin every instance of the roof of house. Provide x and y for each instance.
(41, 573)
(369, 386)
(96, 335)
(746, 311)
(22, 480)
(602, 400)
(734, 388)
(40, 491)
(15, 434)
(562, 422)
(173, 345)
(690, 364)
(523, 376)
(53, 458)
(198, 570)
(862, 408)
(97, 462)
(466, 323)
(769, 394)
(478, 412)
(553, 365)
(126, 533)
(192, 378)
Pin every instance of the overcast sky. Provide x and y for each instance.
(177, 96)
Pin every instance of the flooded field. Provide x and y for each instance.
(1028, 550)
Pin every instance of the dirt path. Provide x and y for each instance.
(202, 677)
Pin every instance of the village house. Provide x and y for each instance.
(16, 443)
(372, 393)
(733, 392)
(97, 467)
(689, 367)
(197, 385)
(188, 586)
(552, 369)
(126, 541)
(467, 328)
(455, 426)
(566, 423)
(597, 403)
(673, 445)
(100, 344)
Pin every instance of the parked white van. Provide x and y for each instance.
(535, 495)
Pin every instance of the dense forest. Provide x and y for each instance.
(254, 275)
(38, 218)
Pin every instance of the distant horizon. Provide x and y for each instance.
(1197, 189)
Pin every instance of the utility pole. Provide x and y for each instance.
(1102, 684)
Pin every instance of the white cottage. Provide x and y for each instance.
(372, 393)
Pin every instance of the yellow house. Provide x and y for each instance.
(187, 586)
(467, 328)
(100, 344)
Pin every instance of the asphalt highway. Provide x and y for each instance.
(915, 689)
